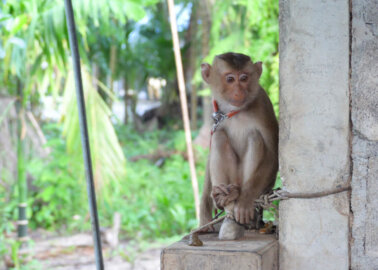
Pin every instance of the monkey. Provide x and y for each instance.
(243, 159)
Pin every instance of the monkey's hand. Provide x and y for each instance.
(225, 194)
(244, 210)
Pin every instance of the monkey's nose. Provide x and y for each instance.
(239, 95)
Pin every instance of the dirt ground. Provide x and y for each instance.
(77, 252)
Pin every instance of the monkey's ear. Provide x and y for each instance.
(205, 71)
(258, 66)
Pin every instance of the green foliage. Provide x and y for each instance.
(107, 156)
(6, 209)
(59, 197)
(34, 40)
(154, 202)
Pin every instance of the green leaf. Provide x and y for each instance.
(47, 193)
(19, 22)
(134, 11)
(107, 155)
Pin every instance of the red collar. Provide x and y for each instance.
(216, 109)
(219, 116)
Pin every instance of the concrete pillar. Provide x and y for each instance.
(364, 97)
(314, 132)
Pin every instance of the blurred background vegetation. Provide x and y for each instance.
(139, 158)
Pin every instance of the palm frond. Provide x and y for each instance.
(107, 156)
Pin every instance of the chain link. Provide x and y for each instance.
(218, 118)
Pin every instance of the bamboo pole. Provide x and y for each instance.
(184, 103)
(22, 223)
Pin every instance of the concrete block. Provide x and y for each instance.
(252, 252)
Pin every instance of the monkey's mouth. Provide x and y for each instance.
(237, 103)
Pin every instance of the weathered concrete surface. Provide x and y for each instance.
(252, 252)
(314, 132)
(364, 96)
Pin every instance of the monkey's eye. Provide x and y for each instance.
(243, 77)
(230, 78)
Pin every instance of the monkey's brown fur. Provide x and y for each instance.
(243, 160)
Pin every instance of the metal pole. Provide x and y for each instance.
(84, 134)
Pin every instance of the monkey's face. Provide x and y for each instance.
(237, 87)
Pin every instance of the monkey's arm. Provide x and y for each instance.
(257, 171)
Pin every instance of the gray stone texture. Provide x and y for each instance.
(252, 252)
(314, 132)
(364, 101)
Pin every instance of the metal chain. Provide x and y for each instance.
(265, 201)
(218, 118)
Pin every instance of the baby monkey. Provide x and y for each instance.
(243, 159)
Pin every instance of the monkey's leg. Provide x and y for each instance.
(223, 170)
(224, 177)
(257, 170)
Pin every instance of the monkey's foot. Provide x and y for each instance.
(230, 230)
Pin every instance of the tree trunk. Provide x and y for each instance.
(191, 55)
(203, 138)
(112, 65)
(193, 108)
(126, 101)
(206, 27)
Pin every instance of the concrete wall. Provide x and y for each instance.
(364, 107)
(314, 132)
